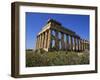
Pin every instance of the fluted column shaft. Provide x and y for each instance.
(81, 45)
(67, 42)
(71, 43)
(62, 41)
(45, 39)
(40, 41)
(78, 44)
(49, 43)
(56, 40)
(37, 41)
(75, 43)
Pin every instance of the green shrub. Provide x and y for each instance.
(84, 59)
(54, 58)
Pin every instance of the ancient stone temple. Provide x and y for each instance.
(54, 36)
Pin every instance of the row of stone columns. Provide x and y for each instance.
(71, 42)
(44, 40)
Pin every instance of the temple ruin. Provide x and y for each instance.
(54, 36)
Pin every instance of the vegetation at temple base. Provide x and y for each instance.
(54, 58)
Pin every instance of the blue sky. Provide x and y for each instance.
(35, 22)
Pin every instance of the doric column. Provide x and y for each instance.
(67, 42)
(45, 39)
(62, 41)
(40, 41)
(78, 42)
(49, 43)
(82, 44)
(42, 38)
(37, 41)
(75, 43)
(56, 40)
(85, 44)
(71, 43)
(79, 45)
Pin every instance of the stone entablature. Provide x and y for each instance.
(69, 39)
